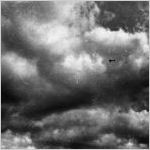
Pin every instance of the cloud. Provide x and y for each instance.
(83, 128)
(14, 141)
(19, 66)
(57, 59)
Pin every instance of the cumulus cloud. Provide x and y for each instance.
(15, 141)
(19, 66)
(55, 58)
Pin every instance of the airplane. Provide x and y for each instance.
(111, 60)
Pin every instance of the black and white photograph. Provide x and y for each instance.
(74, 74)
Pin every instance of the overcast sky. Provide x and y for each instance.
(68, 82)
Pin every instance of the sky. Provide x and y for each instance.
(68, 82)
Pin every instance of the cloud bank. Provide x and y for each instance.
(58, 82)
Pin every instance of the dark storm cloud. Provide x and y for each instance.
(55, 58)
(83, 128)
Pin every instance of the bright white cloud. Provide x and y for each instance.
(16, 141)
(83, 63)
(19, 66)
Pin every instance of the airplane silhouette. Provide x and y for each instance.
(111, 60)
